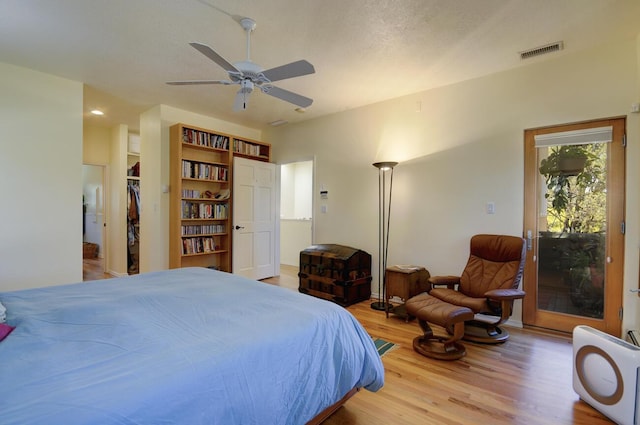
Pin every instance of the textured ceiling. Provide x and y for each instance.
(364, 51)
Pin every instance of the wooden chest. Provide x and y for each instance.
(335, 272)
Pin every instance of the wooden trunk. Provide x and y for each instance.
(335, 272)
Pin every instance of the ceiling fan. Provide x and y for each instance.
(249, 75)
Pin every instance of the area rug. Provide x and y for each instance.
(384, 346)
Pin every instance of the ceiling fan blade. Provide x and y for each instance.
(287, 96)
(211, 54)
(290, 70)
(194, 82)
(241, 101)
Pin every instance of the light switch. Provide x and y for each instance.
(491, 208)
(323, 209)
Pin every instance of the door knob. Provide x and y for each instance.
(239, 227)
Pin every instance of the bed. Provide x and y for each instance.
(183, 346)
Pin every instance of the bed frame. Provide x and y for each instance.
(322, 416)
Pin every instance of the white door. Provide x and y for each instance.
(254, 218)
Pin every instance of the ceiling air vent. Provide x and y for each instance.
(542, 50)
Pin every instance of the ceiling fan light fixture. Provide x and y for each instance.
(246, 86)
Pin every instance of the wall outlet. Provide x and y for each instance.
(491, 207)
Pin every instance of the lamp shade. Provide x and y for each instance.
(386, 165)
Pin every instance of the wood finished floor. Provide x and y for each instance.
(92, 269)
(526, 380)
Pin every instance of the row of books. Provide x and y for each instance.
(246, 148)
(190, 193)
(198, 245)
(202, 138)
(203, 229)
(201, 210)
(199, 170)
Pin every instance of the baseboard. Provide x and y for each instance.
(116, 274)
(514, 323)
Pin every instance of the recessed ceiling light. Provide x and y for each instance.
(97, 112)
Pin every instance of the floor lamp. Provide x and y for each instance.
(384, 213)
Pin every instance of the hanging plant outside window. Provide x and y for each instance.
(576, 188)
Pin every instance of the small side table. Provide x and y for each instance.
(404, 282)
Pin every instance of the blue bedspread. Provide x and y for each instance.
(185, 346)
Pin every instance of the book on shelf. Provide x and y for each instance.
(204, 171)
(201, 138)
(194, 210)
(247, 148)
(203, 229)
(199, 245)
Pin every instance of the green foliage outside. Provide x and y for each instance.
(576, 198)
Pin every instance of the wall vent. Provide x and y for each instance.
(542, 50)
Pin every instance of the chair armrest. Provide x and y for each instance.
(506, 298)
(505, 294)
(449, 281)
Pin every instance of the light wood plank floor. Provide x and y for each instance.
(92, 269)
(526, 380)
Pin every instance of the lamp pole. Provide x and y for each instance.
(384, 214)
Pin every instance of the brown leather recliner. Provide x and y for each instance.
(488, 285)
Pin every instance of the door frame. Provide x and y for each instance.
(105, 211)
(612, 321)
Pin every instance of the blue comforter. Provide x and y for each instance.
(185, 346)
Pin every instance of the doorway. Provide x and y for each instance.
(296, 211)
(93, 221)
(574, 225)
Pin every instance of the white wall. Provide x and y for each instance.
(464, 148)
(40, 179)
(295, 235)
(155, 177)
(296, 193)
(296, 190)
(95, 145)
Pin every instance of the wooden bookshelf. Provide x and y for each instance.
(201, 194)
(200, 214)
